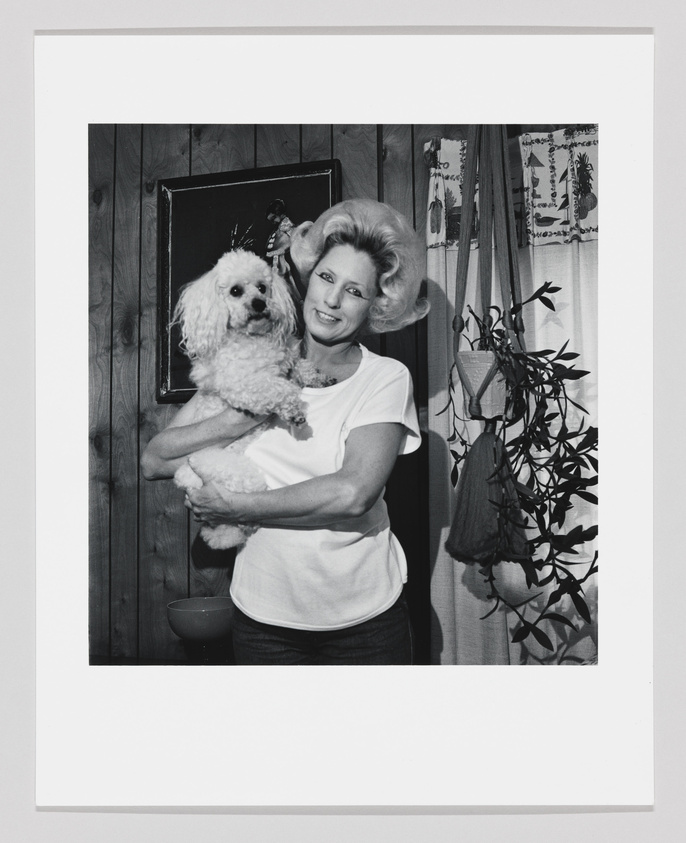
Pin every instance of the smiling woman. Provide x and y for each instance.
(387, 238)
(321, 581)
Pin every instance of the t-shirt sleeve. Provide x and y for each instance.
(389, 398)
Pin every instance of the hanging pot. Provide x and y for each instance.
(488, 525)
(484, 386)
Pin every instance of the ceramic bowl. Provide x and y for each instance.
(201, 618)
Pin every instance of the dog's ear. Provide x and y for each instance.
(202, 315)
(283, 304)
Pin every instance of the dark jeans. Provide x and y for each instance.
(385, 639)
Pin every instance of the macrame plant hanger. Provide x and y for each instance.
(487, 525)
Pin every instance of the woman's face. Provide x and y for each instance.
(342, 288)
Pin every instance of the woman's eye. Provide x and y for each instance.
(355, 292)
(325, 277)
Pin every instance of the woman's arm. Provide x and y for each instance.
(370, 454)
(170, 448)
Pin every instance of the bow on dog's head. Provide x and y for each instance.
(240, 293)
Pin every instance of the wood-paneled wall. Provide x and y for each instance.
(140, 534)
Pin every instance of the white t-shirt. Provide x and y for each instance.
(346, 573)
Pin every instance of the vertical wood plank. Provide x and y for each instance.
(163, 573)
(277, 144)
(316, 142)
(397, 157)
(356, 148)
(125, 346)
(221, 148)
(100, 215)
(215, 149)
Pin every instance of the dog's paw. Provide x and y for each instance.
(294, 412)
(292, 415)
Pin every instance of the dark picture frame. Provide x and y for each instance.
(201, 217)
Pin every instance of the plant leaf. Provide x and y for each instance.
(589, 533)
(522, 633)
(554, 616)
(545, 353)
(542, 638)
(556, 595)
(580, 605)
(525, 490)
(546, 301)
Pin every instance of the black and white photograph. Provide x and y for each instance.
(342, 371)
(343, 394)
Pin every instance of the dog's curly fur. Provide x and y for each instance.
(238, 326)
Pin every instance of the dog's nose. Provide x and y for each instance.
(259, 305)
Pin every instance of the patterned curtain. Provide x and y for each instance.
(554, 186)
(559, 189)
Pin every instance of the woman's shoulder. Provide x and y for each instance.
(388, 365)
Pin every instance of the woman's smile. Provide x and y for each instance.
(326, 317)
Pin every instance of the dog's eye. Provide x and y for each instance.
(262, 288)
(236, 291)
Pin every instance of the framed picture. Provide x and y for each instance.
(201, 217)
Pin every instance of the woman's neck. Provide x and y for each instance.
(340, 360)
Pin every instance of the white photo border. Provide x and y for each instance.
(328, 736)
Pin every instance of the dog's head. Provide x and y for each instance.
(240, 293)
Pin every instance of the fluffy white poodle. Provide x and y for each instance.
(238, 328)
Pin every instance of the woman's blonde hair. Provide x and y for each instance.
(389, 240)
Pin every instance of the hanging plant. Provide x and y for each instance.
(544, 463)
(518, 483)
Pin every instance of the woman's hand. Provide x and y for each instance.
(211, 504)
